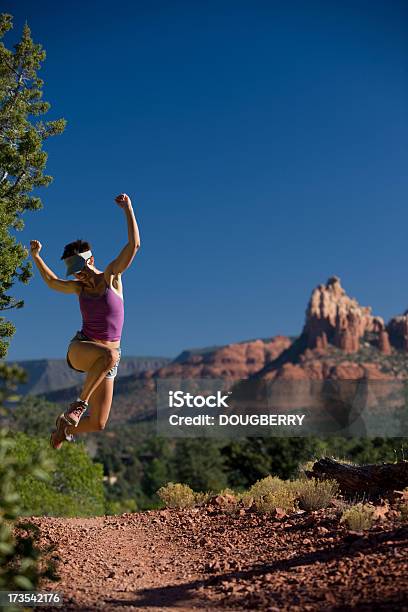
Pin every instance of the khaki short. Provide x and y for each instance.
(81, 337)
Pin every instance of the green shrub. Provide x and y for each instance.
(403, 508)
(201, 498)
(33, 416)
(314, 494)
(296, 485)
(358, 517)
(21, 566)
(75, 486)
(177, 495)
(262, 487)
(282, 498)
(120, 506)
(228, 491)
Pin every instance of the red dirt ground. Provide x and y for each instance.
(214, 559)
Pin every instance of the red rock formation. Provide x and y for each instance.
(332, 317)
(238, 360)
(314, 369)
(384, 343)
(397, 329)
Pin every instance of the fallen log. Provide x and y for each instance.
(374, 479)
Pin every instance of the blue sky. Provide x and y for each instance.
(264, 145)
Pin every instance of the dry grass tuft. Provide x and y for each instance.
(314, 494)
(262, 487)
(358, 517)
(282, 498)
(177, 495)
(403, 508)
(200, 499)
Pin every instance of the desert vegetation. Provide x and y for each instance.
(285, 497)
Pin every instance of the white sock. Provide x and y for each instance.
(80, 400)
(68, 436)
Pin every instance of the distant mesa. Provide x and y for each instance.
(340, 340)
(237, 360)
(47, 375)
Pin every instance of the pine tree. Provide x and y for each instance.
(22, 159)
(199, 463)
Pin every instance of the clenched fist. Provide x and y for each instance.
(123, 200)
(35, 247)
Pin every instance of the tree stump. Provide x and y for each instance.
(373, 479)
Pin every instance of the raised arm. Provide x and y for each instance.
(52, 280)
(125, 257)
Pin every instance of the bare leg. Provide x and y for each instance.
(100, 404)
(95, 359)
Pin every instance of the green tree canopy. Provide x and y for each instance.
(199, 463)
(22, 158)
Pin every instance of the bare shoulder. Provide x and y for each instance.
(77, 286)
(65, 286)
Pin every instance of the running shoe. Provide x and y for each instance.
(60, 435)
(75, 411)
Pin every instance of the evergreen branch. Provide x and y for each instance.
(22, 161)
(10, 67)
(18, 304)
(14, 185)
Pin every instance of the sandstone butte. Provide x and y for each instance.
(333, 317)
(335, 325)
(239, 360)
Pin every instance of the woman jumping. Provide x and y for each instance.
(96, 348)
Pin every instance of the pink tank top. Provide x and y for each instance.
(103, 315)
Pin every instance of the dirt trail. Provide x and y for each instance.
(121, 563)
(211, 559)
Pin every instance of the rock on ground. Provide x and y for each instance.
(227, 559)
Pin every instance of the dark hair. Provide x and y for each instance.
(79, 246)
